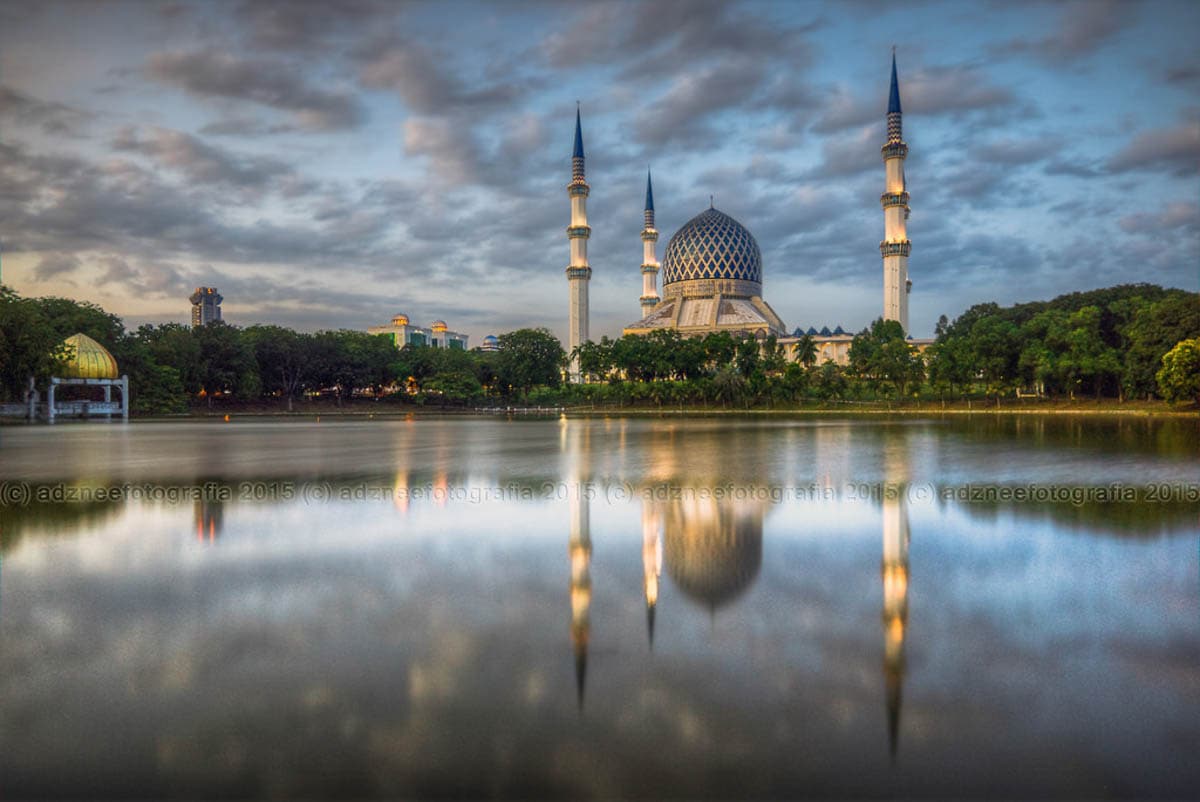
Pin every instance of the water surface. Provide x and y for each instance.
(705, 607)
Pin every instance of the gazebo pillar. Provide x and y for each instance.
(50, 400)
(124, 396)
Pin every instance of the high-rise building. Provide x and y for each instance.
(206, 306)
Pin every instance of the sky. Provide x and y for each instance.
(332, 164)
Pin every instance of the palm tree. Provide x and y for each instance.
(806, 351)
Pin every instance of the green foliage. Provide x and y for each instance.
(29, 344)
(456, 387)
(1179, 376)
(528, 358)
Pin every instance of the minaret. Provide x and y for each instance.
(579, 273)
(895, 246)
(580, 547)
(649, 297)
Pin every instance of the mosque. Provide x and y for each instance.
(712, 269)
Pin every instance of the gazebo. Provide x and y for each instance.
(90, 365)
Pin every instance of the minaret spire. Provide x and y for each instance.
(649, 298)
(895, 246)
(579, 272)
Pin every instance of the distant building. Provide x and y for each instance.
(490, 343)
(206, 306)
(437, 335)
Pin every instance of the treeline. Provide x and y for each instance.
(1110, 342)
(1135, 341)
(172, 366)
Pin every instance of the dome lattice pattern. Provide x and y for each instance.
(712, 245)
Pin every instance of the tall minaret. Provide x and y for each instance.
(649, 297)
(579, 273)
(895, 246)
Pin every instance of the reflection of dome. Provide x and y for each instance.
(712, 245)
(400, 320)
(438, 325)
(713, 552)
(89, 359)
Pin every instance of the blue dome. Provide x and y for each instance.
(712, 245)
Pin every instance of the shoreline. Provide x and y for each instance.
(1075, 410)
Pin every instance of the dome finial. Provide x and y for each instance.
(710, 202)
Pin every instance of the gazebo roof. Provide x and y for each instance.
(89, 360)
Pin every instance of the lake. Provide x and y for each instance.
(732, 607)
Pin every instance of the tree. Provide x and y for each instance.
(29, 344)
(806, 351)
(284, 358)
(1154, 330)
(226, 363)
(528, 358)
(457, 387)
(1179, 377)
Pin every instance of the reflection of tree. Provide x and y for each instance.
(1113, 518)
(52, 518)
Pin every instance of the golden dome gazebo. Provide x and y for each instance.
(89, 364)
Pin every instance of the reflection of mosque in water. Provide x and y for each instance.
(713, 553)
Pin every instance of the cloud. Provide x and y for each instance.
(200, 162)
(304, 25)
(1175, 150)
(426, 85)
(1019, 151)
(17, 108)
(850, 154)
(686, 111)
(1179, 214)
(276, 84)
(929, 92)
(1084, 26)
(55, 264)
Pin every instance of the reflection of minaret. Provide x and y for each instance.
(895, 599)
(210, 519)
(581, 585)
(651, 563)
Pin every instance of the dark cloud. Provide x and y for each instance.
(1084, 26)
(850, 154)
(426, 84)
(1174, 150)
(200, 162)
(18, 108)
(243, 127)
(53, 265)
(278, 84)
(305, 25)
(685, 112)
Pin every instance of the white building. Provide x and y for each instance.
(437, 334)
